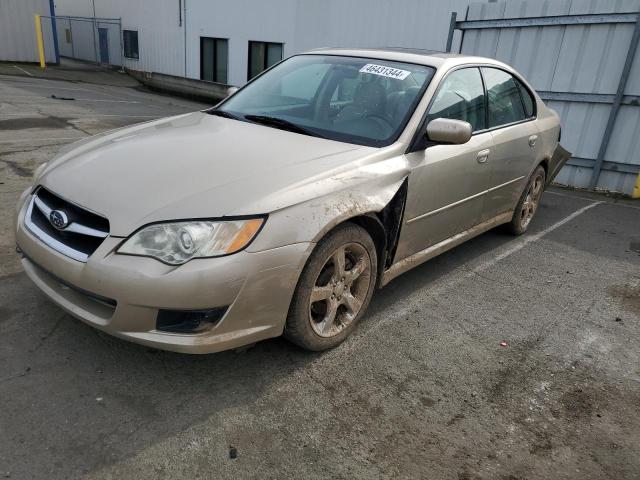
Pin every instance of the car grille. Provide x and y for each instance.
(79, 238)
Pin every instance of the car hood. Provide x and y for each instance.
(192, 166)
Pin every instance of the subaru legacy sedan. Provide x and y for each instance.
(282, 209)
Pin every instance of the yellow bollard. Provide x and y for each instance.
(36, 18)
(636, 189)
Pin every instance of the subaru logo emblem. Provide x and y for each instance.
(58, 219)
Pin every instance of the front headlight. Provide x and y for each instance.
(178, 242)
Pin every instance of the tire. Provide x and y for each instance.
(529, 202)
(342, 291)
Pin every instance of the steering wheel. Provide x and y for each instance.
(380, 120)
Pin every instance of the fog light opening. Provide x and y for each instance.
(188, 321)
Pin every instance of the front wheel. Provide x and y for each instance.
(529, 202)
(334, 289)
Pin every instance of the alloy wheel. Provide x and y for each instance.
(532, 200)
(340, 290)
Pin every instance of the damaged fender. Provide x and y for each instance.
(362, 190)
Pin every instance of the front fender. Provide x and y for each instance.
(367, 189)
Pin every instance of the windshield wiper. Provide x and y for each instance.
(223, 113)
(281, 124)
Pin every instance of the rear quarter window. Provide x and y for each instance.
(527, 100)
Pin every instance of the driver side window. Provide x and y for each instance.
(461, 97)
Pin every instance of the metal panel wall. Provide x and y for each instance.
(561, 60)
(17, 30)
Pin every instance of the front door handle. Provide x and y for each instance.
(483, 156)
(532, 140)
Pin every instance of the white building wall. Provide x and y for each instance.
(160, 35)
(306, 24)
(17, 30)
(299, 24)
(239, 21)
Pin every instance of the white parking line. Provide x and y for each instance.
(75, 115)
(76, 99)
(455, 277)
(42, 139)
(104, 100)
(532, 238)
(23, 70)
(53, 87)
(39, 82)
(617, 204)
(560, 194)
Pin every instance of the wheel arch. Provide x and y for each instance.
(383, 226)
(544, 163)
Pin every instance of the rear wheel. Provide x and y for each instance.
(529, 202)
(334, 289)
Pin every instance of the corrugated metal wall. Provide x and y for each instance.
(17, 30)
(575, 59)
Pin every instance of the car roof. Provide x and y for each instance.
(431, 58)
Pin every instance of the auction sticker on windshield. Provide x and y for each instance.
(385, 71)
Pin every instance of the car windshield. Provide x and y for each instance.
(364, 101)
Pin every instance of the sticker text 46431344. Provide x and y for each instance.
(383, 71)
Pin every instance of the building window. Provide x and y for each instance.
(214, 58)
(262, 55)
(130, 40)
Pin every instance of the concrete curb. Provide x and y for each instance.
(184, 87)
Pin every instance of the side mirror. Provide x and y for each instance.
(231, 91)
(447, 130)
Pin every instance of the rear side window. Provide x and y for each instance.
(503, 95)
(527, 99)
(460, 97)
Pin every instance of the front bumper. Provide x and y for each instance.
(121, 294)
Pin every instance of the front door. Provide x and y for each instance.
(103, 41)
(447, 182)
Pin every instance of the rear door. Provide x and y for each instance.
(511, 119)
(447, 182)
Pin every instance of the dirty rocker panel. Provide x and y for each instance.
(422, 256)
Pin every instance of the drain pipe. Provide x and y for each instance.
(54, 31)
(184, 27)
(95, 33)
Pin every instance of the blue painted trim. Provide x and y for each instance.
(54, 30)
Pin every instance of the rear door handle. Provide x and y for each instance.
(483, 156)
(532, 140)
